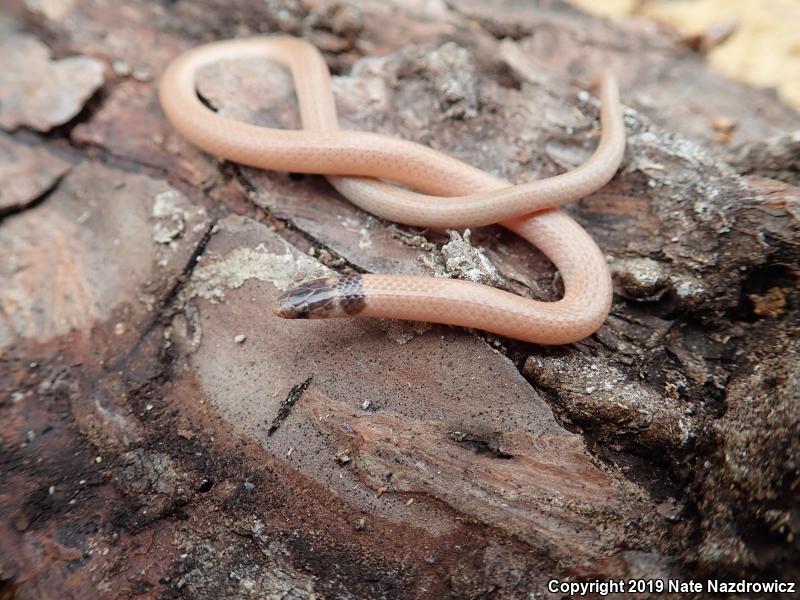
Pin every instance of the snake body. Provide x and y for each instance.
(445, 192)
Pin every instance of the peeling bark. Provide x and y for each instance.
(61, 87)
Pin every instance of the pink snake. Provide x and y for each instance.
(446, 193)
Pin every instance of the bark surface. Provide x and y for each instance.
(163, 435)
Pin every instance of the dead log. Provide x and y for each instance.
(164, 436)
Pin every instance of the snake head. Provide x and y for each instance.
(323, 298)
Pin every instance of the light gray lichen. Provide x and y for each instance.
(211, 280)
(639, 278)
(169, 215)
(459, 259)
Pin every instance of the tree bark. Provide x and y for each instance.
(163, 435)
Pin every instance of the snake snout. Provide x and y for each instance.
(286, 307)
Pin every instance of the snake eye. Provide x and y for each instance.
(286, 308)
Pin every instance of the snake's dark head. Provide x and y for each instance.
(287, 308)
(321, 298)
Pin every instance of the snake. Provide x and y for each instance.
(412, 184)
